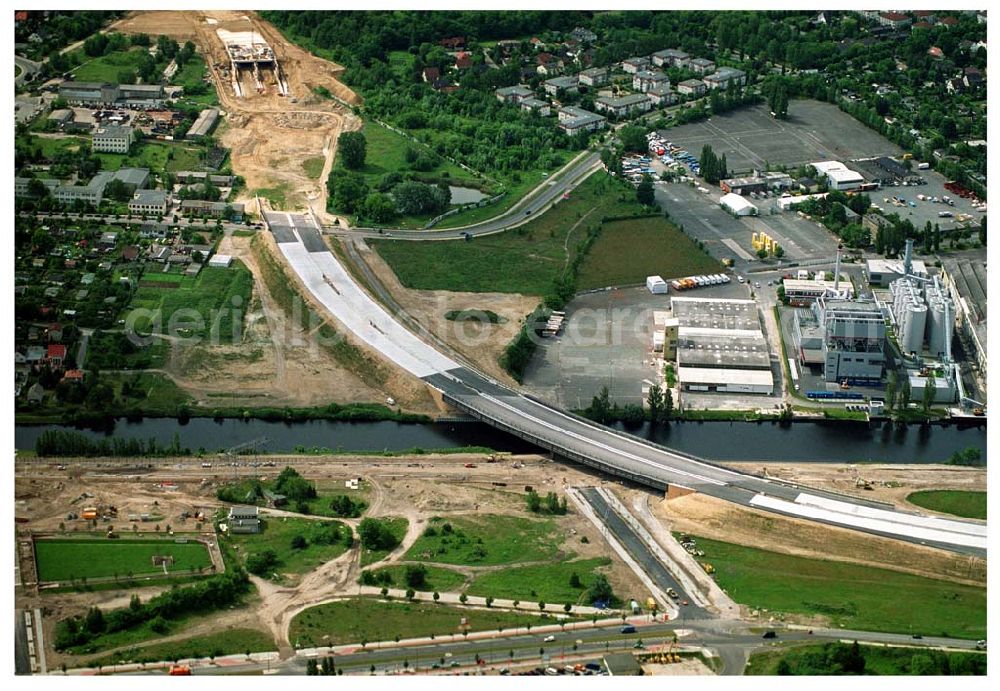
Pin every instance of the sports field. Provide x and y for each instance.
(63, 560)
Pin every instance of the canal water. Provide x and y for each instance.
(847, 442)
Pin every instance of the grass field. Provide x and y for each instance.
(397, 525)
(368, 619)
(485, 540)
(277, 535)
(878, 661)
(438, 579)
(62, 560)
(628, 251)
(548, 583)
(849, 595)
(525, 260)
(230, 642)
(155, 155)
(326, 490)
(207, 299)
(161, 393)
(50, 146)
(276, 195)
(386, 151)
(956, 502)
(313, 166)
(106, 68)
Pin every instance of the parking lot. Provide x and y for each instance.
(750, 138)
(925, 211)
(728, 237)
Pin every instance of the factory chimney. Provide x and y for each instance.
(836, 273)
(908, 258)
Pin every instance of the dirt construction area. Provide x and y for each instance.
(478, 341)
(417, 488)
(269, 134)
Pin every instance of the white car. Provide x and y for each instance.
(548, 639)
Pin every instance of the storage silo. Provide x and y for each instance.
(939, 323)
(911, 315)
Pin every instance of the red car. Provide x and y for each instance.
(470, 465)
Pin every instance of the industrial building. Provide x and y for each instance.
(804, 292)
(966, 283)
(110, 94)
(882, 272)
(839, 176)
(113, 139)
(205, 122)
(243, 519)
(883, 170)
(718, 345)
(853, 340)
(924, 314)
(93, 191)
(740, 206)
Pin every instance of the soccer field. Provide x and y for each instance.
(65, 559)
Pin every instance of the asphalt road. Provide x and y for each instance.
(546, 194)
(28, 69)
(637, 547)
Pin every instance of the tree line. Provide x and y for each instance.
(57, 442)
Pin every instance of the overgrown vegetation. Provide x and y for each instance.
(853, 659)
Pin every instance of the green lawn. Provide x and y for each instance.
(62, 560)
(207, 301)
(849, 595)
(368, 619)
(956, 502)
(486, 540)
(228, 642)
(628, 251)
(50, 146)
(816, 660)
(397, 525)
(155, 155)
(161, 394)
(437, 579)
(106, 68)
(548, 583)
(386, 151)
(314, 166)
(277, 535)
(525, 260)
(276, 195)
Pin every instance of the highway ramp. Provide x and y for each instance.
(622, 455)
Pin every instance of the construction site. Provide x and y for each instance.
(251, 60)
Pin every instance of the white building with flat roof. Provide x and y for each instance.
(113, 139)
(738, 205)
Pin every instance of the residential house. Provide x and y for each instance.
(662, 95)
(431, 74)
(549, 65)
(935, 52)
(55, 355)
(644, 80)
(725, 77)
(623, 106)
(583, 35)
(130, 253)
(569, 85)
(73, 375)
(670, 58)
(34, 355)
(108, 239)
(453, 43)
(573, 120)
(153, 229)
(701, 66)
(536, 105)
(633, 65)
(972, 77)
(54, 332)
(463, 61)
(149, 202)
(514, 94)
(595, 76)
(948, 22)
(692, 87)
(200, 207)
(894, 20)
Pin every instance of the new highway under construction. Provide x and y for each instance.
(298, 237)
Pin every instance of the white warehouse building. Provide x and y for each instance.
(738, 205)
(839, 176)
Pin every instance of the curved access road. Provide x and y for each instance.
(536, 202)
(330, 284)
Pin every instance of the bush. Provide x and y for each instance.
(376, 535)
(262, 562)
(415, 575)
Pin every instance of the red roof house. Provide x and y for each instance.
(56, 354)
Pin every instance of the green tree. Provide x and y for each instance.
(644, 192)
(534, 501)
(353, 149)
(904, 393)
(654, 401)
(929, 390)
(574, 581)
(415, 575)
(633, 138)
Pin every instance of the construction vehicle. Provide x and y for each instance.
(709, 569)
(180, 671)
